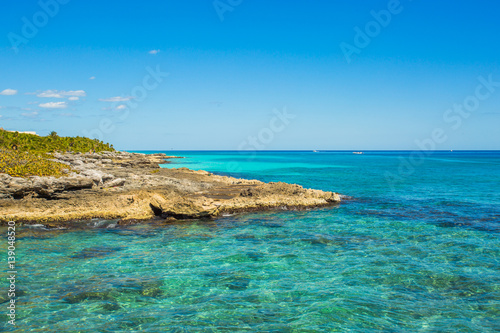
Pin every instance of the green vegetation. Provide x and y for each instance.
(24, 155)
(24, 164)
(51, 143)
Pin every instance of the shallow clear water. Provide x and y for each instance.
(409, 250)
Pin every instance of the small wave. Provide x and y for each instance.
(104, 224)
(41, 226)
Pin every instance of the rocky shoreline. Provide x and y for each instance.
(133, 187)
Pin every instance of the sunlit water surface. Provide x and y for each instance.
(415, 247)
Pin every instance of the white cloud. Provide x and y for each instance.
(78, 93)
(116, 99)
(154, 52)
(115, 108)
(92, 78)
(54, 105)
(61, 93)
(8, 92)
(73, 98)
(50, 94)
(30, 115)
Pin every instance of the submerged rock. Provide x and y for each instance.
(150, 288)
(4, 298)
(111, 306)
(134, 287)
(95, 252)
(239, 284)
(89, 295)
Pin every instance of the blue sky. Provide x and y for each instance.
(254, 74)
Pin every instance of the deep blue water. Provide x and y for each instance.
(414, 247)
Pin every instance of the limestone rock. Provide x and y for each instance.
(16, 187)
(115, 182)
(129, 186)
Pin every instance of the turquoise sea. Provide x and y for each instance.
(414, 247)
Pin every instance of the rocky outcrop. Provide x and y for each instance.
(113, 159)
(46, 187)
(131, 186)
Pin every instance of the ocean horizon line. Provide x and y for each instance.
(314, 150)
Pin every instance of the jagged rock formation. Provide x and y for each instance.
(128, 186)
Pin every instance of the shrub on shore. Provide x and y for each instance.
(24, 164)
(24, 155)
(51, 143)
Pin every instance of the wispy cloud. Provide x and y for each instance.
(154, 52)
(92, 78)
(33, 114)
(116, 99)
(68, 115)
(73, 98)
(216, 103)
(115, 108)
(62, 94)
(10, 118)
(54, 105)
(12, 108)
(8, 92)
